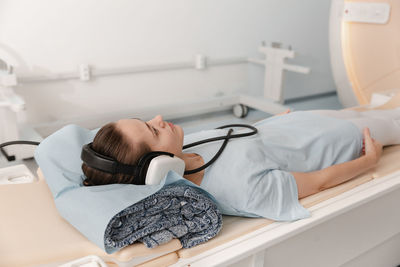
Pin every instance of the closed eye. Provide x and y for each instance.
(155, 131)
(151, 128)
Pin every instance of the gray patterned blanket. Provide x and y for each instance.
(181, 211)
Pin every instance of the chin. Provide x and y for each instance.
(180, 130)
(181, 135)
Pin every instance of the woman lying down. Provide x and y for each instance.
(291, 156)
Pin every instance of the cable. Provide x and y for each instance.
(18, 142)
(212, 139)
(215, 156)
(225, 138)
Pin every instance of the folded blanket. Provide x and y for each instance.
(175, 211)
(90, 208)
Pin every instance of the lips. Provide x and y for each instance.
(171, 125)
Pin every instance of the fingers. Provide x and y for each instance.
(366, 132)
(363, 148)
(368, 142)
(367, 137)
(372, 148)
(378, 144)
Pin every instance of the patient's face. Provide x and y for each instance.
(157, 133)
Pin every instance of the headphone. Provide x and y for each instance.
(152, 167)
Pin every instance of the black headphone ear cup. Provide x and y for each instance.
(96, 160)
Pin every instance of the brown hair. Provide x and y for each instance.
(110, 141)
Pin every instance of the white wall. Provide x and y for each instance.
(48, 36)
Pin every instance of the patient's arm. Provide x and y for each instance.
(309, 183)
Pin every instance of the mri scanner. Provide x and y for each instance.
(353, 224)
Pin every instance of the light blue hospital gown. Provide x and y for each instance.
(252, 176)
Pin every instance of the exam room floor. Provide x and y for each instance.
(213, 120)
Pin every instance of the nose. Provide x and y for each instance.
(158, 120)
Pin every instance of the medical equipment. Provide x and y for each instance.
(354, 224)
(153, 166)
(275, 65)
(362, 48)
(270, 102)
(49, 239)
(16, 174)
(12, 107)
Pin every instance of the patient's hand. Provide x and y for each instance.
(283, 113)
(373, 148)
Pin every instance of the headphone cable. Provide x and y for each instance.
(227, 137)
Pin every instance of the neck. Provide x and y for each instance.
(193, 161)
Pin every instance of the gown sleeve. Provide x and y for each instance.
(274, 195)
